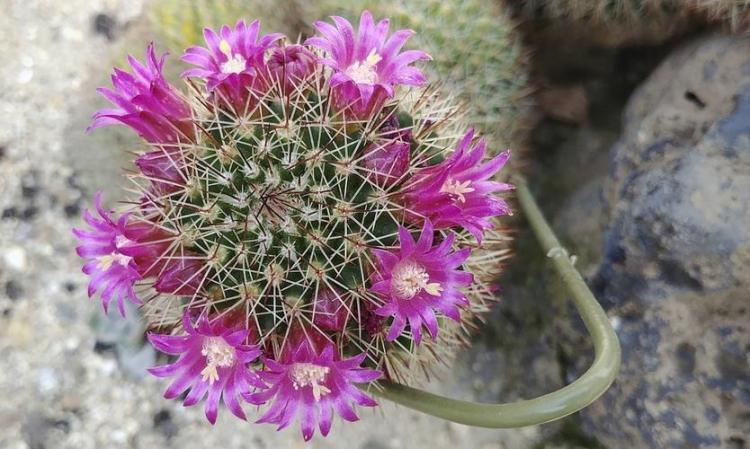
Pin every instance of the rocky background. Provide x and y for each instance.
(638, 149)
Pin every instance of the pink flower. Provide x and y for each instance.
(146, 244)
(118, 253)
(290, 65)
(387, 158)
(457, 191)
(329, 311)
(146, 102)
(183, 275)
(231, 64)
(311, 386)
(161, 168)
(214, 359)
(418, 280)
(367, 66)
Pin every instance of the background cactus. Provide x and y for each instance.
(181, 22)
(599, 11)
(734, 12)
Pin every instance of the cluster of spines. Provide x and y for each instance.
(270, 207)
(599, 11)
(643, 13)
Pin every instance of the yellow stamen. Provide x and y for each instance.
(210, 374)
(106, 261)
(373, 58)
(310, 375)
(433, 288)
(364, 72)
(457, 188)
(225, 48)
(409, 278)
(218, 355)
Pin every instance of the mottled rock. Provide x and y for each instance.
(680, 174)
(676, 265)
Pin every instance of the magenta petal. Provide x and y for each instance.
(308, 421)
(345, 410)
(230, 399)
(169, 344)
(197, 393)
(212, 403)
(326, 418)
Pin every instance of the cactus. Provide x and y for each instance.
(734, 12)
(599, 11)
(477, 54)
(643, 14)
(181, 23)
(305, 217)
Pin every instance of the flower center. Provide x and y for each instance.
(409, 278)
(310, 375)
(218, 355)
(235, 63)
(106, 261)
(364, 72)
(457, 188)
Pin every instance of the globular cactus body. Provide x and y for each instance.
(304, 213)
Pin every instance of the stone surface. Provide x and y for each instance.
(676, 255)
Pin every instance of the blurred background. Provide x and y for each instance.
(631, 119)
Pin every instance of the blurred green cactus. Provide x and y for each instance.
(477, 55)
(181, 22)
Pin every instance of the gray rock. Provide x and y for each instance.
(676, 262)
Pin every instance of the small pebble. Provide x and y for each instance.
(13, 290)
(15, 257)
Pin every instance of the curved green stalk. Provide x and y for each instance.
(551, 406)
